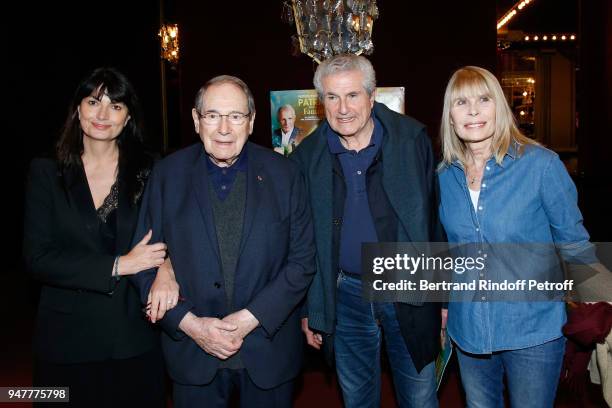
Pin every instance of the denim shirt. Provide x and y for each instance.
(528, 198)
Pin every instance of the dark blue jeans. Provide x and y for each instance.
(357, 349)
(532, 374)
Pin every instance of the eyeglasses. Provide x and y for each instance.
(214, 118)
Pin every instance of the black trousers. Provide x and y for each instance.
(133, 382)
(225, 385)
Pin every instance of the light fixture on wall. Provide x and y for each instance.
(169, 34)
(549, 37)
(169, 50)
(329, 27)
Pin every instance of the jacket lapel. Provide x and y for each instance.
(401, 181)
(255, 182)
(126, 218)
(79, 197)
(200, 187)
(397, 186)
(321, 190)
(293, 136)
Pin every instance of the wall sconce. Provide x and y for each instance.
(169, 34)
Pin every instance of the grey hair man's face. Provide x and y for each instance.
(348, 106)
(286, 118)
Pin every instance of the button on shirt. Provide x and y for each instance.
(357, 225)
(222, 178)
(527, 199)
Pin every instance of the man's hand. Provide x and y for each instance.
(244, 321)
(164, 292)
(313, 339)
(214, 336)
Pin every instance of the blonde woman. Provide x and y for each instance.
(498, 186)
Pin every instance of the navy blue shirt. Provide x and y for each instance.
(357, 223)
(222, 178)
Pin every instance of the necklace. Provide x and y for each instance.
(473, 177)
(474, 172)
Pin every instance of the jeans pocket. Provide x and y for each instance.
(339, 279)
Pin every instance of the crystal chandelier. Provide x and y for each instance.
(329, 27)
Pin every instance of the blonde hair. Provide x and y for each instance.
(476, 81)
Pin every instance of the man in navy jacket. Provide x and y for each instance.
(370, 176)
(241, 243)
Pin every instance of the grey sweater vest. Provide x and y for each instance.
(229, 217)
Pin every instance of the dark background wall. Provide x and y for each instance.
(51, 45)
(54, 44)
(417, 45)
(58, 43)
(594, 105)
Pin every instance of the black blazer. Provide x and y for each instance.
(84, 314)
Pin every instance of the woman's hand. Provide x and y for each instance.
(143, 256)
(164, 292)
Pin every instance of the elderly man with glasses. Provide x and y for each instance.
(241, 244)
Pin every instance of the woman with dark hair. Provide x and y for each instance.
(81, 210)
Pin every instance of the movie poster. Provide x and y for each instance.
(296, 114)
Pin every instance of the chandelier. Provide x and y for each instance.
(329, 27)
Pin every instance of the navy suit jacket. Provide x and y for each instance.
(274, 269)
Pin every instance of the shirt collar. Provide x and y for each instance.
(336, 147)
(513, 153)
(239, 165)
(513, 149)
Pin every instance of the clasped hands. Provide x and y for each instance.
(221, 338)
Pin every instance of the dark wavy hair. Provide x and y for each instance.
(133, 160)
